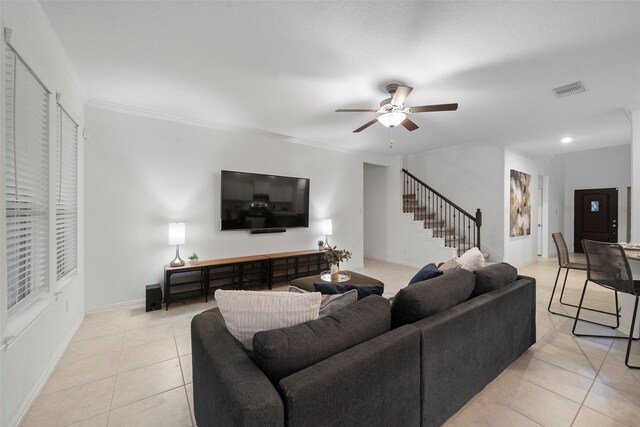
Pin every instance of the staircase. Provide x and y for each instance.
(446, 220)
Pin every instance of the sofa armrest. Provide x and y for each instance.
(376, 383)
(467, 346)
(228, 388)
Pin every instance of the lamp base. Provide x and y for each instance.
(326, 246)
(177, 261)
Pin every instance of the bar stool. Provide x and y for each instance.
(608, 266)
(565, 262)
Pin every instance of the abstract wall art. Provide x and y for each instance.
(520, 222)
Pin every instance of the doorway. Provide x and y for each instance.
(595, 216)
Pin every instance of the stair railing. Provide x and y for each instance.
(459, 228)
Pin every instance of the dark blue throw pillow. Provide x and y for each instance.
(336, 288)
(427, 272)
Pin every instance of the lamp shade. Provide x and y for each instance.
(176, 233)
(327, 228)
(392, 119)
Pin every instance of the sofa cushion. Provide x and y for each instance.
(337, 288)
(471, 259)
(281, 352)
(494, 277)
(330, 303)
(247, 312)
(427, 272)
(427, 298)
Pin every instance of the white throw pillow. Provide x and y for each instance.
(248, 312)
(471, 260)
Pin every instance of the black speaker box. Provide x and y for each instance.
(154, 297)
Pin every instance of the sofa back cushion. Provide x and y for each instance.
(424, 299)
(281, 352)
(493, 277)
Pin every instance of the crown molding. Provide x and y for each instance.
(190, 121)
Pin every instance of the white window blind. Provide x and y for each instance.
(26, 168)
(66, 195)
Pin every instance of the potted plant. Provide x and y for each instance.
(334, 257)
(320, 244)
(193, 258)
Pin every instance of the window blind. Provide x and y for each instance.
(26, 181)
(66, 195)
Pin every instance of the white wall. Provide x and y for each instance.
(522, 250)
(142, 173)
(470, 176)
(389, 234)
(553, 168)
(602, 168)
(33, 350)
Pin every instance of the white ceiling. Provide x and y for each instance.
(284, 67)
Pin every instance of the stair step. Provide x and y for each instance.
(408, 196)
(432, 223)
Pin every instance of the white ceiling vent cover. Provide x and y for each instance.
(570, 89)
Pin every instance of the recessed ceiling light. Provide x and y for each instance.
(566, 140)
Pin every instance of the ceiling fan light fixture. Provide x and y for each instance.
(392, 119)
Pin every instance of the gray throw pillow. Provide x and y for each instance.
(424, 299)
(330, 303)
(282, 352)
(493, 277)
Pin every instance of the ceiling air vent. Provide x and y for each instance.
(570, 89)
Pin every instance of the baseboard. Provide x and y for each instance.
(30, 400)
(117, 305)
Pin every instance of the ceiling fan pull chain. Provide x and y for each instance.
(391, 141)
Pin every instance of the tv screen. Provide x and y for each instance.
(254, 201)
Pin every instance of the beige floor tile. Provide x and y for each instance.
(189, 388)
(185, 363)
(182, 328)
(587, 417)
(96, 329)
(72, 405)
(619, 376)
(71, 374)
(537, 403)
(551, 377)
(97, 421)
(141, 383)
(168, 409)
(80, 349)
(147, 335)
(567, 359)
(184, 344)
(615, 403)
(618, 352)
(147, 354)
(598, 348)
(488, 413)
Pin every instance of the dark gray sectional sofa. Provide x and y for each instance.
(414, 362)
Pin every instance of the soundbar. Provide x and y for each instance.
(268, 230)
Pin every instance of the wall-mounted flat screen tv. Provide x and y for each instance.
(255, 201)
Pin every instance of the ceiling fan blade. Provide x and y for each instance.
(356, 110)
(400, 95)
(440, 107)
(409, 124)
(363, 127)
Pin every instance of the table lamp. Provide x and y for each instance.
(327, 230)
(176, 237)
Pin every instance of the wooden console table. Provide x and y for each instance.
(196, 279)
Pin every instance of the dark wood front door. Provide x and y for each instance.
(595, 216)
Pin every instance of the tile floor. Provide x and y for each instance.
(125, 367)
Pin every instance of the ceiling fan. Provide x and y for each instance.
(393, 112)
